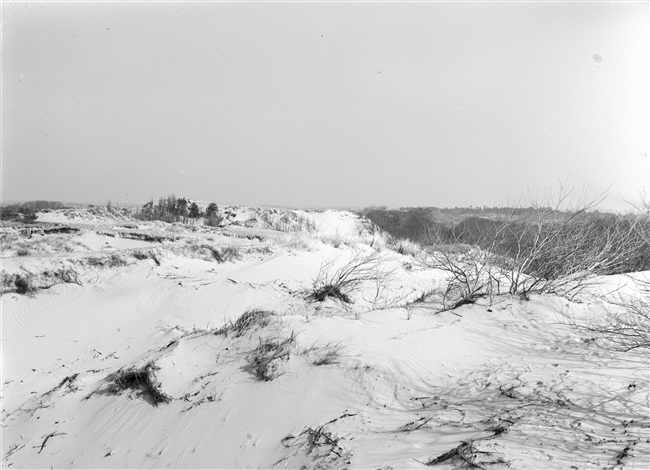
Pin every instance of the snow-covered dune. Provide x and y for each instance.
(204, 349)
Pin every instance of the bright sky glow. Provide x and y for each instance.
(324, 104)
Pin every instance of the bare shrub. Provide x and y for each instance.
(625, 326)
(471, 275)
(558, 249)
(363, 267)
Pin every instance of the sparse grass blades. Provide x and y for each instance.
(265, 362)
(249, 320)
(141, 380)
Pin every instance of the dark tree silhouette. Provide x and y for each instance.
(195, 212)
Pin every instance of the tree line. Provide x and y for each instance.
(172, 209)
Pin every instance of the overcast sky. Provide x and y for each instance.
(324, 104)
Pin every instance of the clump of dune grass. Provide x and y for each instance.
(21, 245)
(141, 380)
(28, 283)
(22, 283)
(265, 362)
(407, 247)
(329, 291)
(147, 254)
(112, 261)
(294, 241)
(63, 275)
(230, 253)
(323, 355)
(336, 240)
(322, 446)
(208, 252)
(251, 319)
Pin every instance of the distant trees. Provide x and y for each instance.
(172, 209)
(195, 212)
(550, 242)
(211, 210)
(212, 216)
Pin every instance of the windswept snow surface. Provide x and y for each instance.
(379, 383)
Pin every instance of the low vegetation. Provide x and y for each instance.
(142, 380)
(552, 239)
(266, 361)
(172, 209)
(322, 355)
(364, 266)
(550, 248)
(25, 212)
(407, 247)
(249, 320)
(27, 283)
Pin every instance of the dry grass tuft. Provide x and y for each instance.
(407, 247)
(249, 320)
(147, 254)
(328, 291)
(112, 261)
(28, 283)
(141, 380)
(323, 355)
(265, 362)
(24, 284)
